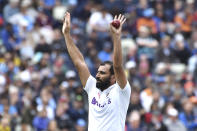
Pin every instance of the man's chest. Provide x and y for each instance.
(102, 102)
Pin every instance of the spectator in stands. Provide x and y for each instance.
(134, 123)
(188, 117)
(99, 22)
(28, 116)
(63, 115)
(156, 123)
(80, 125)
(184, 20)
(172, 122)
(181, 49)
(135, 103)
(52, 126)
(10, 37)
(105, 54)
(10, 9)
(143, 73)
(147, 21)
(165, 53)
(146, 44)
(43, 46)
(5, 126)
(77, 111)
(40, 122)
(46, 101)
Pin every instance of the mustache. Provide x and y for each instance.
(98, 79)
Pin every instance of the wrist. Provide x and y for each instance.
(66, 34)
(116, 37)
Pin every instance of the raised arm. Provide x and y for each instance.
(74, 52)
(117, 51)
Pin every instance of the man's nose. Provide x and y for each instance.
(97, 75)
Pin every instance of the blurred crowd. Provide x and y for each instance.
(39, 86)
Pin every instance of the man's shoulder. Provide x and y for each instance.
(90, 84)
(127, 87)
(91, 79)
(127, 84)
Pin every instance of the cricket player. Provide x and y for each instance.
(108, 92)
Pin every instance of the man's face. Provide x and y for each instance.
(103, 77)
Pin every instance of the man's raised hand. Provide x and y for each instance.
(115, 29)
(66, 23)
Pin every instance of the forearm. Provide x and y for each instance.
(117, 60)
(115, 30)
(73, 51)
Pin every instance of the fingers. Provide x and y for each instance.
(124, 20)
(66, 17)
(115, 17)
(121, 18)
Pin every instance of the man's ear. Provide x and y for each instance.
(113, 79)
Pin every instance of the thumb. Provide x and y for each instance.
(112, 28)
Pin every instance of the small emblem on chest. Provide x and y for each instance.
(99, 95)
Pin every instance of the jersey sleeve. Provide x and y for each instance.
(124, 95)
(91, 83)
(126, 90)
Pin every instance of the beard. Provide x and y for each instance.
(103, 84)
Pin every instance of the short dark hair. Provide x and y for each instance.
(111, 66)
